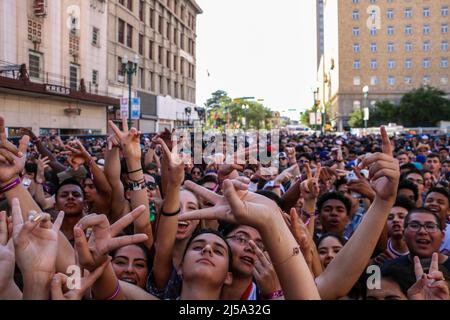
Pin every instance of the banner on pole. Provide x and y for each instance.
(136, 108)
(124, 107)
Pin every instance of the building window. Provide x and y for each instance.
(94, 77)
(373, 47)
(95, 36)
(444, 46)
(426, 63)
(121, 31)
(374, 81)
(150, 50)
(408, 13)
(152, 83)
(35, 66)
(444, 80)
(175, 63)
(175, 36)
(141, 78)
(444, 63)
(355, 15)
(129, 36)
(426, 46)
(120, 70)
(408, 46)
(356, 48)
(356, 105)
(408, 30)
(444, 28)
(141, 10)
(408, 80)
(391, 81)
(373, 31)
(169, 88)
(74, 73)
(426, 80)
(356, 64)
(168, 59)
(152, 18)
(444, 11)
(141, 44)
(390, 30)
(356, 81)
(160, 55)
(391, 47)
(130, 5)
(426, 12)
(426, 29)
(355, 1)
(373, 64)
(408, 64)
(391, 64)
(168, 31)
(355, 31)
(390, 14)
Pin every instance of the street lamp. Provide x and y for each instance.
(130, 69)
(366, 106)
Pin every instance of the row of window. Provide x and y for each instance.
(371, 1)
(408, 64)
(392, 80)
(407, 13)
(125, 36)
(408, 30)
(408, 47)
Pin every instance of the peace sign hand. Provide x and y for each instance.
(431, 286)
(175, 163)
(310, 188)
(129, 140)
(104, 237)
(384, 170)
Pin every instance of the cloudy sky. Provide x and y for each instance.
(258, 48)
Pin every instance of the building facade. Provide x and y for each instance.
(53, 67)
(390, 46)
(160, 35)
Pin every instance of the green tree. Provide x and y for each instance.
(424, 107)
(383, 113)
(356, 119)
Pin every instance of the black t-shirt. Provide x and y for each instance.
(408, 263)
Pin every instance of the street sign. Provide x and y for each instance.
(136, 108)
(124, 107)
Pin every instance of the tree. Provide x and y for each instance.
(424, 107)
(356, 119)
(383, 113)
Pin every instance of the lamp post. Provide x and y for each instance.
(366, 106)
(130, 69)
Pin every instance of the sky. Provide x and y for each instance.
(258, 48)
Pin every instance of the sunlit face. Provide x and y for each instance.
(423, 243)
(395, 222)
(207, 259)
(427, 180)
(188, 202)
(90, 191)
(244, 256)
(328, 249)
(438, 203)
(334, 216)
(389, 290)
(70, 200)
(130, 264)
(433, 164)
(403, 159)
(196, 174)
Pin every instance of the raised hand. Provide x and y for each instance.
(249, 209)
(310, 188)
(431, 286)
(59, 283)
(113, 142)
(384, 170)
(42, 164)
(301, 234)
(361, 186)
(104, 238)
(7, 258)
(129, 140)
(264, 272)
(77, 154)
(175, 163)
(35, 241)
(12, 159)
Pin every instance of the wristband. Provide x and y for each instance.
(116, 293)
(273, 295)
(170, 214)
(10, 186)
(129, 172)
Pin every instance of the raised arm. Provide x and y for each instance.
(173, 173)
(348, 265)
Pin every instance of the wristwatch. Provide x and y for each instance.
(136, 186)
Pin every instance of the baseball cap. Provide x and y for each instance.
(282, 155)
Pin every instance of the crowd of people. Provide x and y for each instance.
(131, 217)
